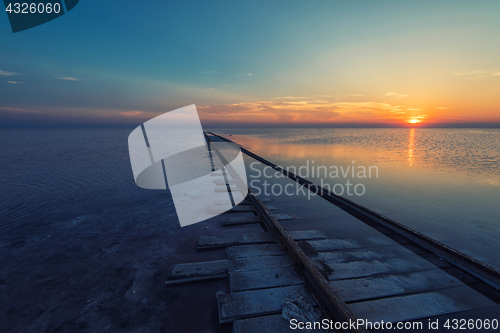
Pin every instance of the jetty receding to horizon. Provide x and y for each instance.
(363, 266)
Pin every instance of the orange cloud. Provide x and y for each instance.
(131, 113)
(308, 111)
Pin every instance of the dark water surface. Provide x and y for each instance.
(83, 249)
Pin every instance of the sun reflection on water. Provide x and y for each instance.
(411, 148)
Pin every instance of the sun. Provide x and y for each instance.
(414, 121)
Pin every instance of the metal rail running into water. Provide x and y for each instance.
(402, 275)
(478, 269)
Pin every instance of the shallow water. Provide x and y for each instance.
(442, 182)
(83, 249)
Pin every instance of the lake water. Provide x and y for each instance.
(82, 247)
(444, 183)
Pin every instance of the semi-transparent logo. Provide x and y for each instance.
(206, 177)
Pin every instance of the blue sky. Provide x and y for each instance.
(115, 62)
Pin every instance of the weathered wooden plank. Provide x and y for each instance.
(214, 242)
(246, 251)
(251, 219)
(418, 306)
(357, 269)
(253, 303)
(266, 278)
(258, 263)
(354, 290)
(198, 271)
(382, 252)
(350, 243)
(265, 324)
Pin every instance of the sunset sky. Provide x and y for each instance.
(256, 63)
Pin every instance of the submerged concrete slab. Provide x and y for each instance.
(236, 209)
(357, 269)
(199, 271)
(216, 242)
(354, 290)
(258, 263)
(246, 251)
(247, 304)
(222, 182)
(411, 307)
(265, 278)
(382, 252)
(351, 243)
(223, 189)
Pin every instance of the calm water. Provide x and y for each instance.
(442, 182)
(65, 177)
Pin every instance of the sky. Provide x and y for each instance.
(256, 63)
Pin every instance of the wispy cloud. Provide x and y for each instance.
(5, 108)
(356, 95)
(8, 73)
(131, 113)
(478, 74)
(68, 78)
(397, 95)
(290, 97)
(14, 82)
(442, 108)
(412, 109)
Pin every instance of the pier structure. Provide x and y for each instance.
(324, 258)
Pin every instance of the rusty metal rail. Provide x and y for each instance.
(483, 272)
(323, 292)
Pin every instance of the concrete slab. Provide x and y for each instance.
(258, 263)
(198, 271)
(206, 242)
(244, 202)
(251, 219)
(253, 303)
(357, 269)
(223, 189)
(222, 182)
(381, 252)
(246, 251)
(265, 278)
(354, 290)
(236, 209)
(350, 243)
(411, 307)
